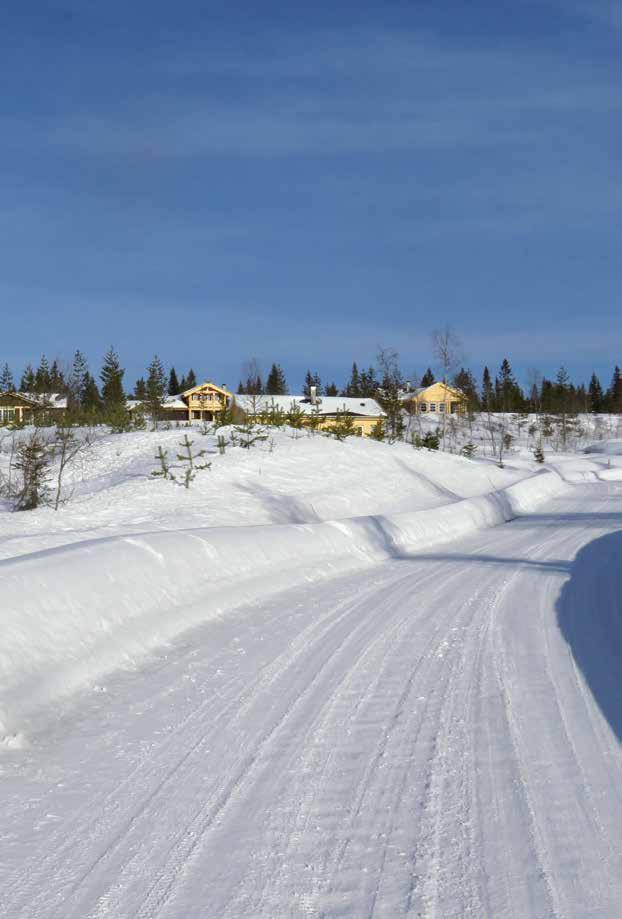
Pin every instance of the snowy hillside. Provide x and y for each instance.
(132, 560)
(315, 683)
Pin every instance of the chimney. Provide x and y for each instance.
(408, 385)
(313, 394)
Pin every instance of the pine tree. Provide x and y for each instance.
(111, 376)
(331, 390)
(428, 378)
(487, 399)
(614, 393)
(27, 382)
(57, 379)
(353, 386)
(312, 379)
(91, 399)
(173, 383)
(465, 382)
(343, 425)
(140, 390)
(42, 377)
(509, 392)
(276, 384)
(77, 381)
(368, 383)
(6, 380)
(156, 387)
(191, 380)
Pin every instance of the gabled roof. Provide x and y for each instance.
(19, 397)
(421, 390)
(188, 392)
(325, 405)
(37, 400)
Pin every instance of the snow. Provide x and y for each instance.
(326, 405)
(80, 600)
(330, 679)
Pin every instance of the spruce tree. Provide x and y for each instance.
(27, 382)
(42, 377)
(91, 401)
(156, 388)
(465, 382)
(191, 380)
(57, 379)
(77, 381)
(111, 376)
(331, 390)
(595, 395)
(276, 384)
(353, 386)
(140, 390)
(6, 380)
(614, 393)
(368, 383)
(173, 383)
(509, 394)
(312, 379)
(487, 399)
(428, 378)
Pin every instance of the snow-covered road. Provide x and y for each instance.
(438, 736)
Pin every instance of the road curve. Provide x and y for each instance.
(438, 737)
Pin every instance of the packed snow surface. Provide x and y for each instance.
(324, 681)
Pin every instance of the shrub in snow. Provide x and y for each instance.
(248, 434)
(190, 461)
(32, 464)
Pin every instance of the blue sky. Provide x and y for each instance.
(301, 183)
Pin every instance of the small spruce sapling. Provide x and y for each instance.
(343, 426)
(164, 471)
(468, 450)
(377, 432)
(189, 459)
(538, 454)
(249, 434)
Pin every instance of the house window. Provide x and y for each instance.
(441, 407)
(423, 407)
(432, 406)
(454, 408)
(196, 414)
(359, 432)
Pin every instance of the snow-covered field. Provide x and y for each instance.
(322, 681)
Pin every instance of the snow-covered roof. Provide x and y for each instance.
(49, 400)
(328, 405)
(168, 402)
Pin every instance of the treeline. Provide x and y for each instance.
(88, 396)
(499, 393)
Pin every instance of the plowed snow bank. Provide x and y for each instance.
(73, 613)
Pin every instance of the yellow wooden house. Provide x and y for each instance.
(201, 403)
(436, 398)
(322, 412)
(20, 407)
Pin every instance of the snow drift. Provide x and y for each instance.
(73, 613)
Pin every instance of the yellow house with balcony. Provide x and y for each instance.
(201, 403)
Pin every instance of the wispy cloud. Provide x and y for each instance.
(342, 94)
